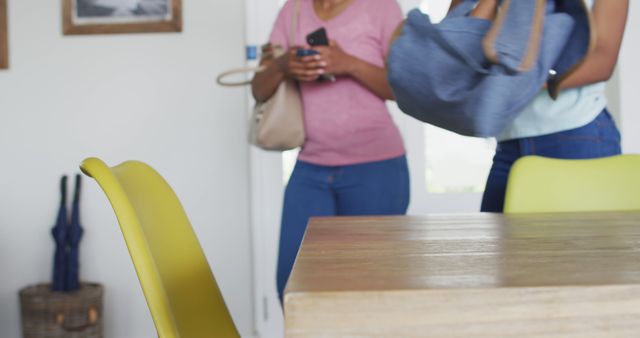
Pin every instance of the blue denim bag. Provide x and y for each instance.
(473, 76)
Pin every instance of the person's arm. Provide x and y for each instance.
(486, 9)
(372, 77)
(265, 83)
(339, 63)
(610, 17)
(454, 3)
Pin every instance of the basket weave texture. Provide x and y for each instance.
(47, 314)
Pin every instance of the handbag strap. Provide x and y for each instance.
(508, 41)
(243, 70)
(515, 36)
(294, 24)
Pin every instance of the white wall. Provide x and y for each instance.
(139, 96)
(629, 69)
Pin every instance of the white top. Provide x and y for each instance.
(575, 107)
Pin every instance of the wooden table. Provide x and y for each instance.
(478, 275)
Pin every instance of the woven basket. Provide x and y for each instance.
(47, 314)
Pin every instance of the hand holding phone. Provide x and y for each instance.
(319, 38)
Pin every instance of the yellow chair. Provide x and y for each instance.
(540, 184)
(180, 289)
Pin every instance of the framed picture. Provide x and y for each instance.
(4, 43)
(121, 16)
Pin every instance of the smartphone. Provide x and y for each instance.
(306, 52)
(318, 37)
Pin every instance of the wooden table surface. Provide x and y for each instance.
(476, 275)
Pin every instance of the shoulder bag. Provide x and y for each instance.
(277, 123)
(472, 76)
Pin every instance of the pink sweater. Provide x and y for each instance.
(345, 122)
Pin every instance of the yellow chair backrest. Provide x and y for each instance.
(180, 289)
(539, 184)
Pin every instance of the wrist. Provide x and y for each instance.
(352, 66)
(281, 65)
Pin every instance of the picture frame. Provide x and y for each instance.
(4, 36)
(121, 16)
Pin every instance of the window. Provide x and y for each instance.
(455, 163)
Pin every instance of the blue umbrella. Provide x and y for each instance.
(74, 234)
(59, 233)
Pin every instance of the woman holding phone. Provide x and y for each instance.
(353, 160)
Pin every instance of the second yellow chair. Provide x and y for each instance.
(539, 184)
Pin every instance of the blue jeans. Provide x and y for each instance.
(374, 188)
(599, 138)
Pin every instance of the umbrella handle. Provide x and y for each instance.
(92, 316)
(76, 193)
(63, 190)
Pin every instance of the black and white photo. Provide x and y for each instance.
(121, 16)
(122, 10)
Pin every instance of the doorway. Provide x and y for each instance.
(447, 171)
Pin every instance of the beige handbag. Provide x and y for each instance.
(277, 123)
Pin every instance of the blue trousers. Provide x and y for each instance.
(599, 138)
(375, 188)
